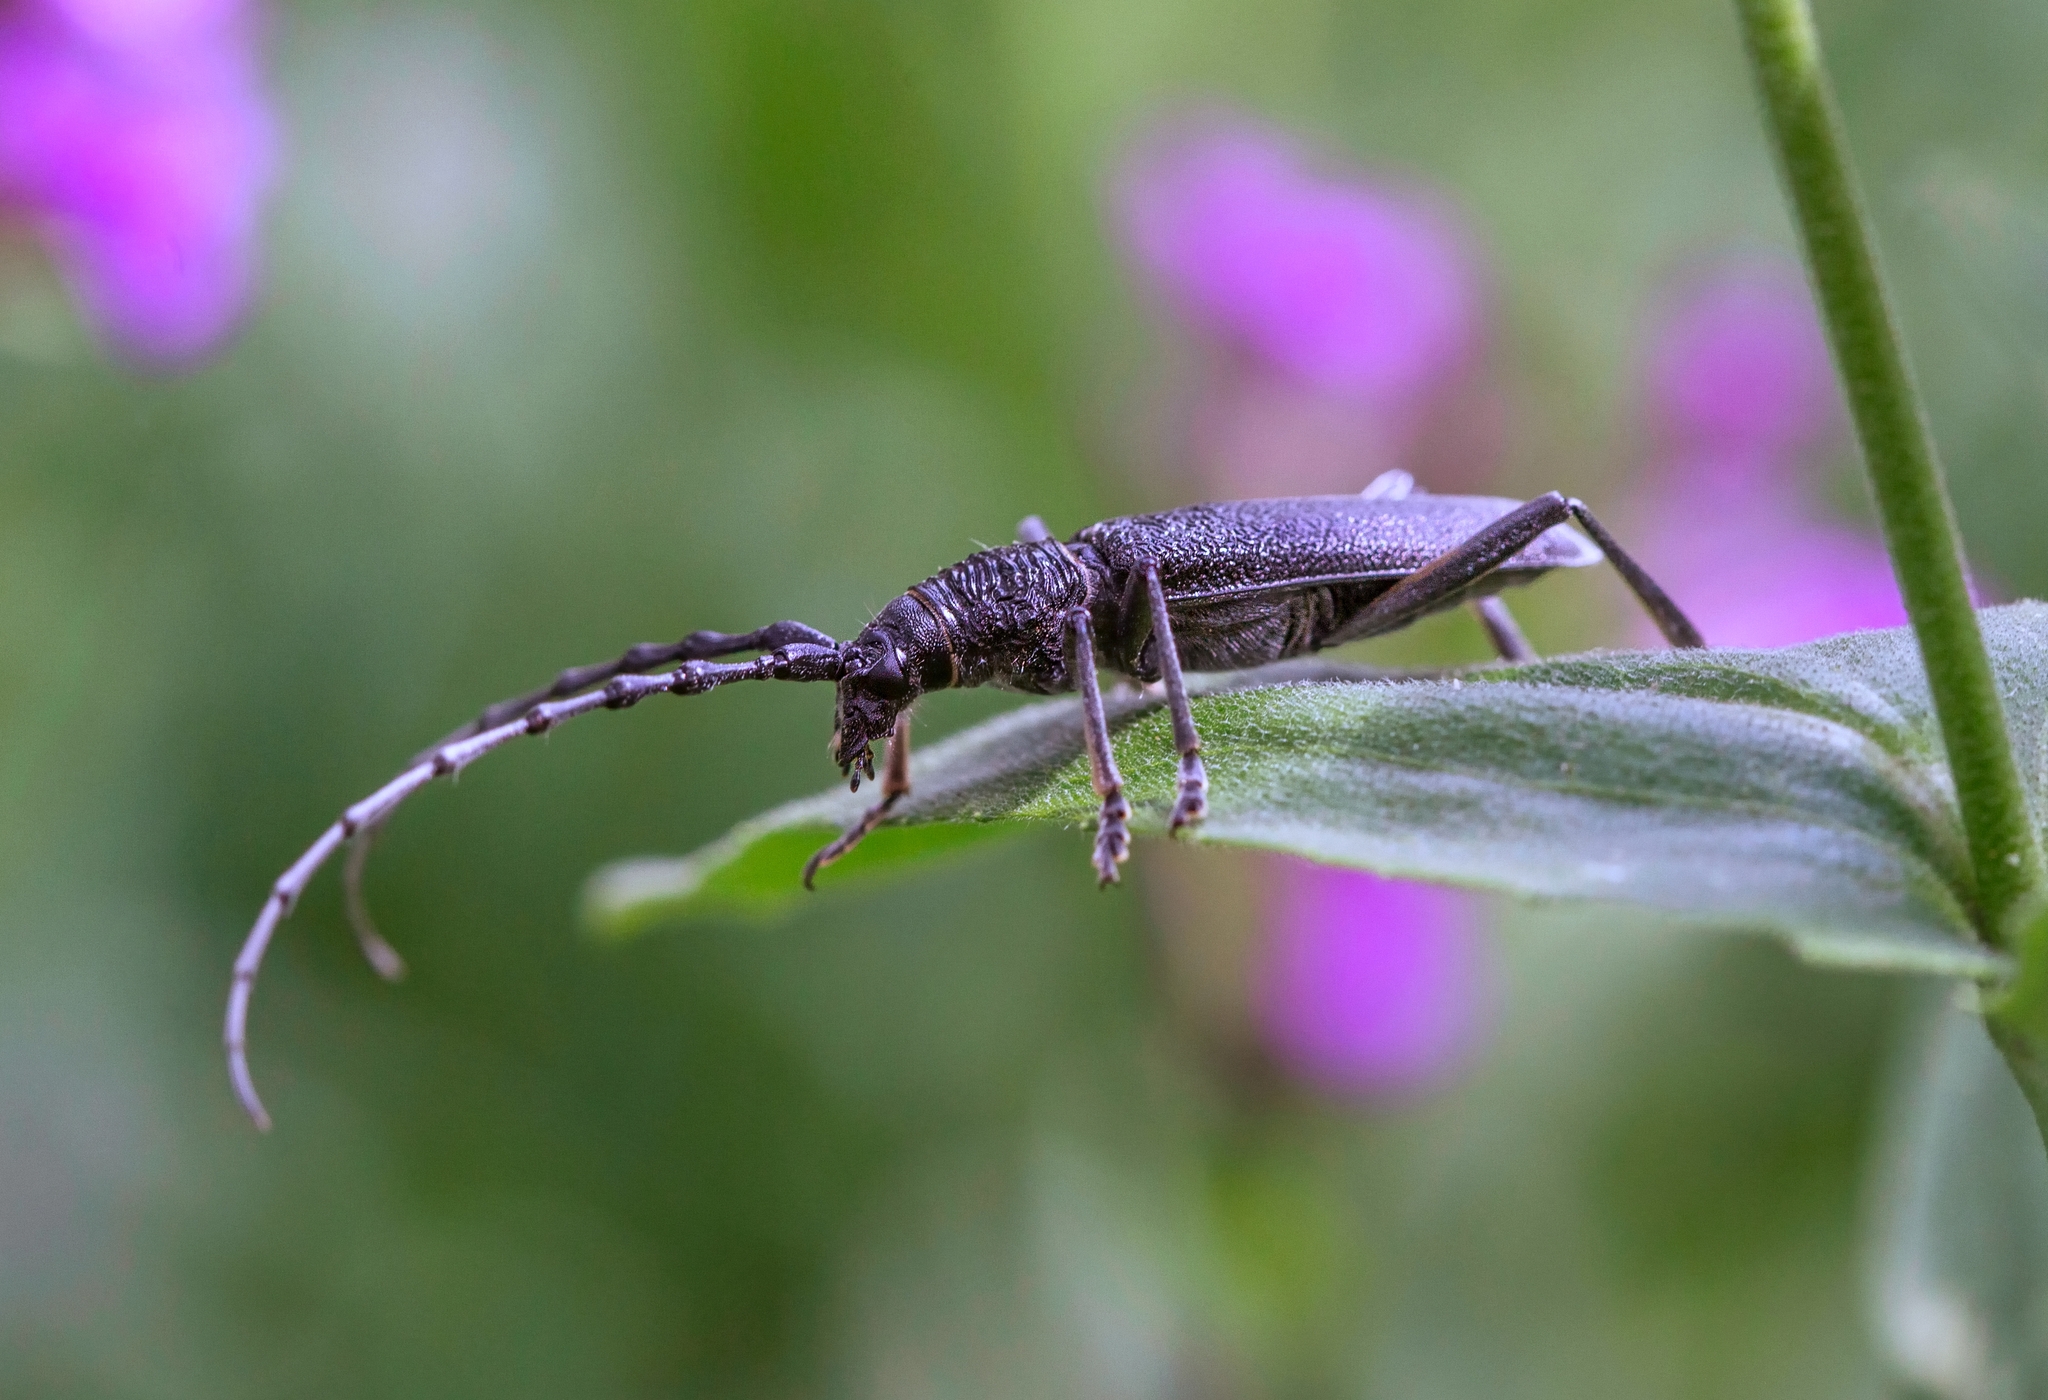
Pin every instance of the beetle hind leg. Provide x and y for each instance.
(1454, 571)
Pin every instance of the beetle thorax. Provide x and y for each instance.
(1003, 614)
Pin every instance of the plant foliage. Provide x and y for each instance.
(1801, 793)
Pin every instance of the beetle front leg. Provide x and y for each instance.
(1192, 802)
(1112, 828)
(895, 787)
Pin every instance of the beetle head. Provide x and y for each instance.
(872, 692)
(895, 659)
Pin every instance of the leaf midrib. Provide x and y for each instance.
(1921, 797)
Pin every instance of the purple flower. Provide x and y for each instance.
(1741, 383)
(136, 136)
(1741, 365)
(1355, 287)
(1370, 987)
(1348, 304)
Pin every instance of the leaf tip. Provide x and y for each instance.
(623, 898)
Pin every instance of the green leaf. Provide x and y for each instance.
(1798, 792)
(1958, 1295)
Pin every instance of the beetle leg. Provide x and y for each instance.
(1192, 803)
(1031, 530)
(1112, 828)
(1503, 631)
(1453, 571)
(798, 661)
(1674, 624)
(895, 787)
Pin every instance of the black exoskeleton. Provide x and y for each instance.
(1202, 588)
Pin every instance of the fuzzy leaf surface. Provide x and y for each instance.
(1800, 792)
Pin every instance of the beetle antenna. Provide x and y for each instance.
(376, 951)
(698, 646)
(798, 662)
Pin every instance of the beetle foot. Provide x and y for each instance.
(1112, 839)
(1193, 803)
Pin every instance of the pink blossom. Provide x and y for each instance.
(1737, 544)
(1741, 383)
(1347, 304)
(136, 136)
(1369, 986)
(1354, 286)
(1742, 365)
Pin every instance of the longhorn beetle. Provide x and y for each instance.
(1209, 587)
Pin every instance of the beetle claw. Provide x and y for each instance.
(1112, 839)
(1192, 805)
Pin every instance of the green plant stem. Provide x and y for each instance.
(1898, 451)
(1919, 523)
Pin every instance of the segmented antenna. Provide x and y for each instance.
(358, 822)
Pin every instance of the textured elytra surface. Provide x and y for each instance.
(1799, 792)
(1233, 546)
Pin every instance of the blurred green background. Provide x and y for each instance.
(600, 322)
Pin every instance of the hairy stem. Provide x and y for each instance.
(1898, 452)
(1919, 523)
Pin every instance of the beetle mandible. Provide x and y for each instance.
(1224, 586)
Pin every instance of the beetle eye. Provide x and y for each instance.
(885, 677)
